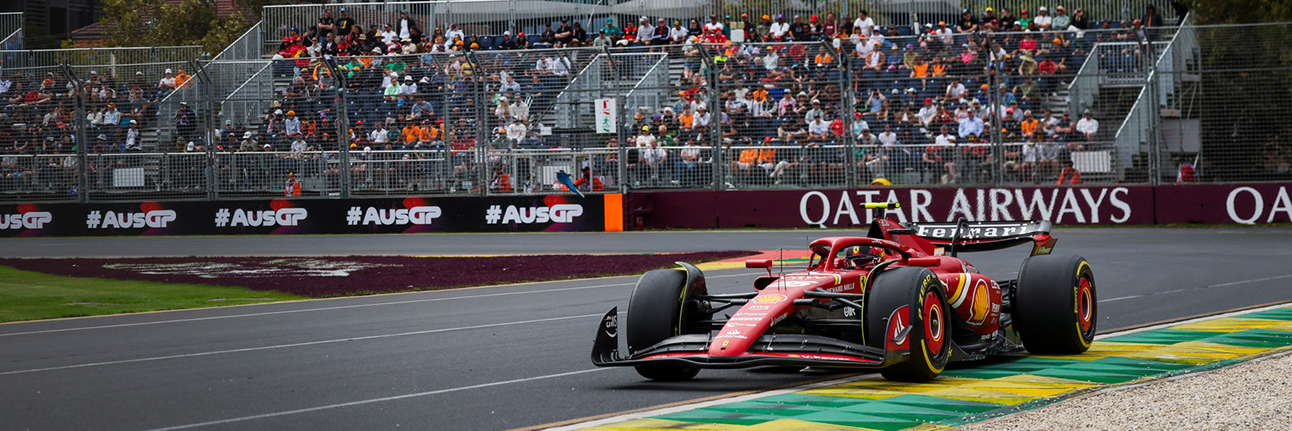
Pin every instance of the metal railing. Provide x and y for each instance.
(249, 46)
(13, 41)
(642, 94)
(1139, 133)
(99, 56)
(11, 30)
(591, 77)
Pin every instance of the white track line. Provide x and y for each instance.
(339, 307)
(283, 346)
(375, 400)
(1232, 283)
(310, 310)
(487, 295)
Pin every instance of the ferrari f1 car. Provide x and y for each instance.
(899, 300)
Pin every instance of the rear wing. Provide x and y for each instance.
(965, 236)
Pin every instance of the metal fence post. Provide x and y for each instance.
(622, 138)
(78, 130)
(208, 118)
(1154, 114)
(849, 141)
(476, 93)
(342, 132)
(715, 122)
(994, 79)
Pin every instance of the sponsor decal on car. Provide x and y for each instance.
(611, 325)
(796, 283)
(778, 319)
(770, 299)
(741, 337)
(837, 289)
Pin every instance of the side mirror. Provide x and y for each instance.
(758, 263)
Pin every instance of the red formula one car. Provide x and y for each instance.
(898, 300)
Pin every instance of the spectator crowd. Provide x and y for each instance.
(768, 91)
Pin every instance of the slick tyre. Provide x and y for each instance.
(660, 307)
(927, 316)
(1055, 306)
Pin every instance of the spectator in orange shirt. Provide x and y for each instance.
(411, 132)
(181, 78)
(748, 157)
(434, 134)
(1069, 175)
(939, 68)
(1029, 125)
(424, 136)
(823, 58)
(685, 119)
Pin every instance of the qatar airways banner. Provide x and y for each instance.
(562, 212)
(1094, 205)
(1224, 203)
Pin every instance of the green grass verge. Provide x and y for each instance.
(32, 295)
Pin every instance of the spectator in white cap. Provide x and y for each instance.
(1043, 19)
(167, 83)
(248, 142)
(644, 30)
(409, 87)
(1088, 126)
(133, 143)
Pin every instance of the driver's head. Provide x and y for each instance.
(861, 255)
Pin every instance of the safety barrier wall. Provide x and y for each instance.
(566, 212)
(1262, 203)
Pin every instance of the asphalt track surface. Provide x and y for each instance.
(489, 358)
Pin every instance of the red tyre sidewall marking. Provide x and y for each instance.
(934, 324)
(1085, 305)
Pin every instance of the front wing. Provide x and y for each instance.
(692, 350)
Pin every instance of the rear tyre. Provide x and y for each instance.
(929, 336)
(661, 307)
(1055, 306)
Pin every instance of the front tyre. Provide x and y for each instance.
(1055, 306)
(661, 306)
(929, 334)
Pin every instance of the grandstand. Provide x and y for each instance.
(447, 98)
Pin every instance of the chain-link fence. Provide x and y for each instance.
(1127, 105)
(1216, 108)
